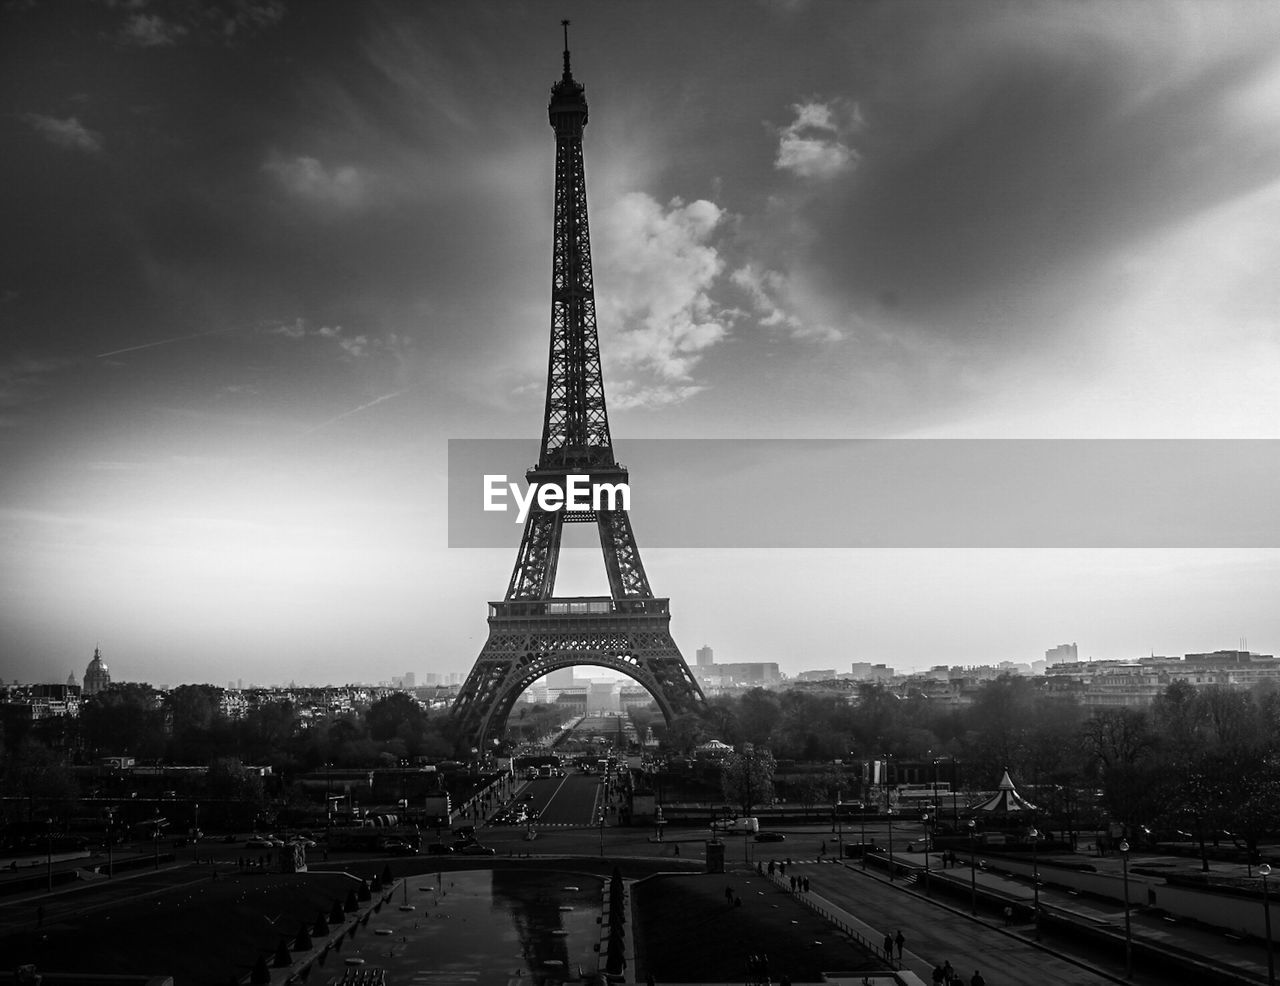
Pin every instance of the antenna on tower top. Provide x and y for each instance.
(565, 25)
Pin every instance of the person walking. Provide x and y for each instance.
(977, 979)
(822, 850)
(899, 940)
(948, 974)
(937, 975)
(888, 946)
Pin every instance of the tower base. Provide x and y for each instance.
(531, 638)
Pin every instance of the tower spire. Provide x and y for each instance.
(567, 74)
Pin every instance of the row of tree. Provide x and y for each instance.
(1203, 760)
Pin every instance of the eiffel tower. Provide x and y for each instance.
(533, 632)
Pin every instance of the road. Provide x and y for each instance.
(935, 933)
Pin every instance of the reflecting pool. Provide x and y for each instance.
(479, 926)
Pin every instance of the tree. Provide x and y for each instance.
(32, 771)
(198, 727)
(747, 777)
(124, 718)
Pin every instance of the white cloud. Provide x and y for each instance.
(658, 265)
(767, 289)
(69, 133)
(354, 346)
(343, 187)
(150, 31)
(814, 144)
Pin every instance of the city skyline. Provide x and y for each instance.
(271, 258)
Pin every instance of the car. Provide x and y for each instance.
(259, 842)
(475, 849)
(770, 837)
(438, 849)
(398, 848)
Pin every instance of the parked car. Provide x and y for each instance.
(770, 837)
(475, 849)
(397, 848)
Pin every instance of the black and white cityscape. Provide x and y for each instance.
(854, 564)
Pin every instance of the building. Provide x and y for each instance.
(705, 656)
(97, 676)
(1062, 654)
(862, 671)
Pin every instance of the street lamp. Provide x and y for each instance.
(1264, 871)
(49, 845)
(973, 872)
(889, 812)
(1128, 929)
(1035, 880)
(925, 819)
(602, 830)
(328, 802)
(839, 829)
(111, 817)
(862, 819)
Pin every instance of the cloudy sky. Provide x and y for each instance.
(262, 260)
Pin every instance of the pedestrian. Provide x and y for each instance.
(937, 975)
(899, 940)
(1008, 916)
(948, 973)
(822, 851)
(772, 866)
(977, 979)
(793, 884)
(782, 868)
(677, 849)
(806, 884)
(728, 894)
(888, 946)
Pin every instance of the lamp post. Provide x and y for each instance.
(602, 830)
(955, 780)
(889, 812)
(973, 872)
(111, 817)
(1128, 929)
(1035, 880)
(862, 820)
(328, 803)
(839, 829)
(49, 846)
(1264, 871)
(925, 819)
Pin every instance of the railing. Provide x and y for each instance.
(578, 606)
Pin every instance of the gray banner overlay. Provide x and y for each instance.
(904, 493)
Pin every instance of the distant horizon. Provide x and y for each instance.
(585, 671)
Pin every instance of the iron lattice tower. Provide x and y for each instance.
(533, 632)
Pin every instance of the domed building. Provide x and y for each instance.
(97, 675)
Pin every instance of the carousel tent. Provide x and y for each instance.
(1006, 800)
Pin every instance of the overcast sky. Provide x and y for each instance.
(262, 260)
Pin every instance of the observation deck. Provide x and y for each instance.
(577, 608)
